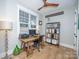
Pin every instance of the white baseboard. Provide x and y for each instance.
(3, 54)
(66, 45)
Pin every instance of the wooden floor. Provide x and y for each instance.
(49, 52)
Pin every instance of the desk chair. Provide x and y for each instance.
(38, 43)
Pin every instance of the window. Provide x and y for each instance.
(28, 20)
(24, 18)
(24, 21)
(33, 21)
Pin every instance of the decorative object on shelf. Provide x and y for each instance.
(40, 22)
(6, 26)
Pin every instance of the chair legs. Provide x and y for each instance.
(29, 50)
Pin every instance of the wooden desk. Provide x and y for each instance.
(26, 40)
(29, 42)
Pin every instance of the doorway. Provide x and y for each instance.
(76, 33)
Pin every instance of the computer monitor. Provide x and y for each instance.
(32, 32)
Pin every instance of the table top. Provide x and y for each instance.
(33, 38)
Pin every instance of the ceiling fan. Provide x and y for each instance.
(46, 4)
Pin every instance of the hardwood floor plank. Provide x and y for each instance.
(49, 52)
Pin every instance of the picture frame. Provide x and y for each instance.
(40, 22)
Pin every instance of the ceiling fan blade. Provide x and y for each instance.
(48, 4)
(52, 4)
(40, 8)
(44, 1)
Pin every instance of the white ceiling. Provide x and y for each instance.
(35, 4)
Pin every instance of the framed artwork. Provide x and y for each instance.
(40, 22)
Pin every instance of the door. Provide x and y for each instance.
(78, 37)
(75, 31)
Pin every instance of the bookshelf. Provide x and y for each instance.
(53, 33)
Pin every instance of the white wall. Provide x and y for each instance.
(42, 27)
(11, 11)
(67, 26)
(2, 9)
(8, 12)
(2, 13)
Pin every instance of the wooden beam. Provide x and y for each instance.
(55, 14)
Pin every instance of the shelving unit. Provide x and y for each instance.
(53, 33)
